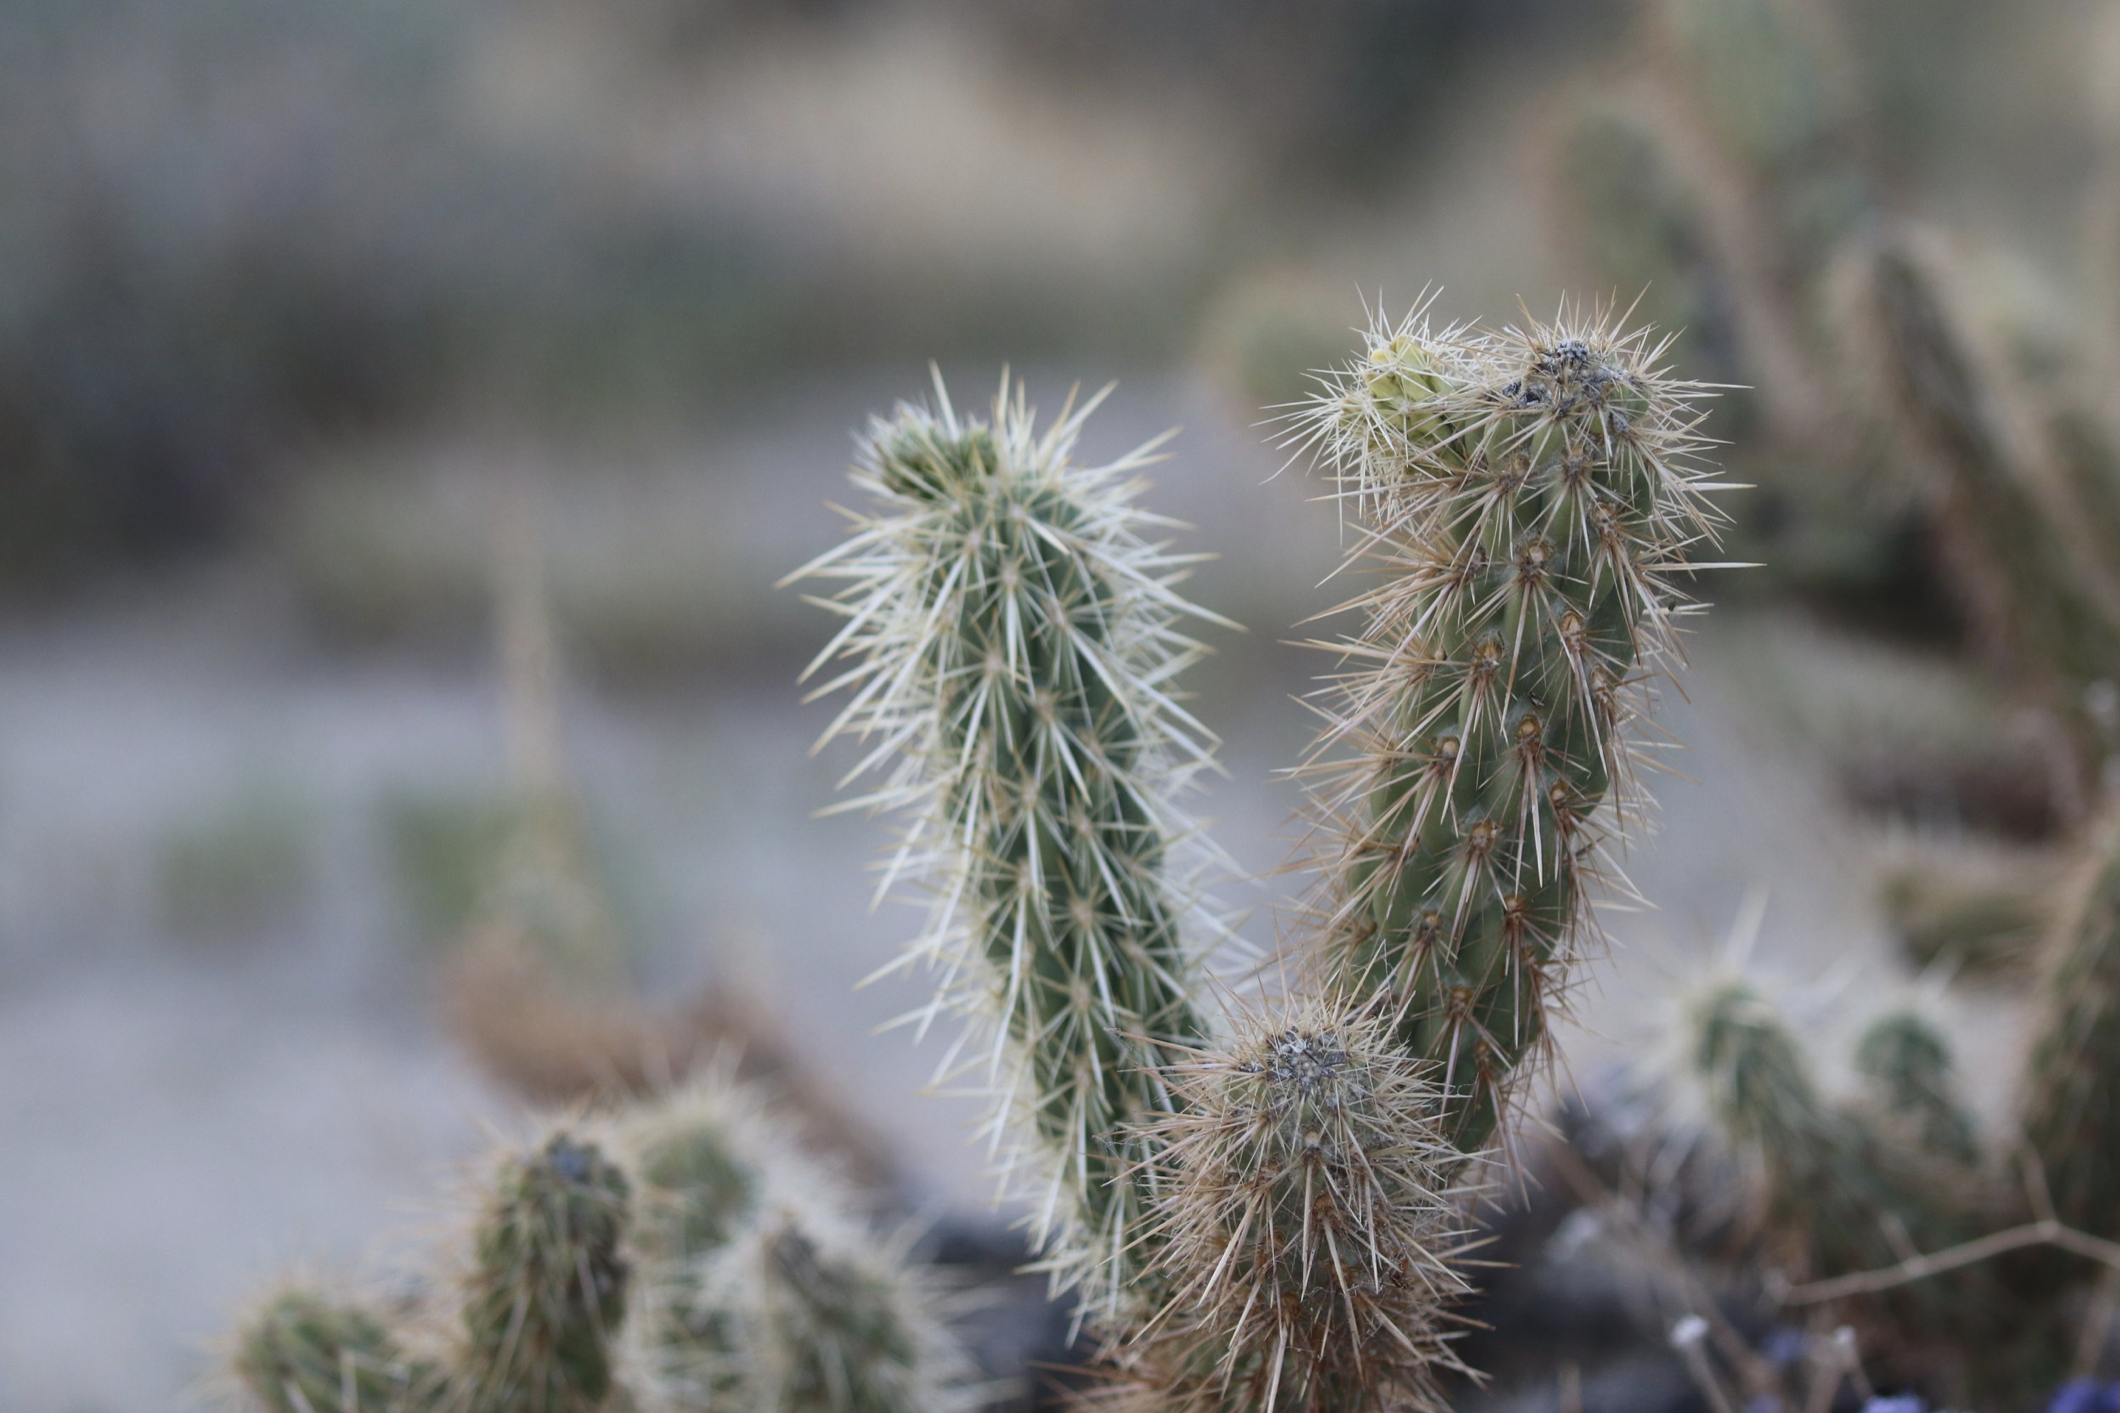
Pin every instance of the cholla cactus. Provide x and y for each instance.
(1841, 1188)
(1014, 637)
(760, 1284)
(821, 1317)
(547, 1285)
(2025, 548)
(1307, 1224)
(1907, 1062)
(305, 1350)
(2071, 1102)
(1531, 496)
(1817, 1184)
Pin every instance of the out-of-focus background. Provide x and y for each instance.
(406, 410)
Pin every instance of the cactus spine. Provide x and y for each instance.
(1013, 631)
(2071, 1101)
(1531, 496)
(1307, 1223)
(547, 1287)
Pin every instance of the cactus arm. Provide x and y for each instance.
(1014, 636)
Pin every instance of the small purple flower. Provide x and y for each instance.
(1895, 1404)
(2084, 1395)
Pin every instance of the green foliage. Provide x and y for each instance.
(1529, 499)
(1014, 644)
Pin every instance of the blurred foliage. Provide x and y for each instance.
(447, 852)
(238, 226)
(237, 866)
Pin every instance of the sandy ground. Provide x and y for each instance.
(182, 1117)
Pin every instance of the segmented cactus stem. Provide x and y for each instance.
(1907, 1062)
(760, 1284)
(1530, 499)
(305, 1350)
(547, 1285)
(1308, 1225)
(1013, 631)
(2023, 547)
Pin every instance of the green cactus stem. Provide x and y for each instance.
(1013, 631)
(1906, 1061)
(759, 1284)
(1531, 497)
(1308, 1226)
(546, 1291)
(304, 1350)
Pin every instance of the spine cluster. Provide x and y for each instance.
(1013, 631)
(1529, 499)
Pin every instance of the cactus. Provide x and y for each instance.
(1644, 228)
(306, 1350)
(1819, 1189)
(1013, 631)
(547, 1286)
(760, 1286)
(1841, 1188)
(1907, 1063)
(2038, 594)
(1307, 1224)
(1967, 913)
(798, 1314)
(1532, 498)
(2071, 1098)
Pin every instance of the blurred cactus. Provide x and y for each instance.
(1820, 1191)
(1013, 631)
(1907, 1063)
(548, 1282)
(1645, 229)
(820, 1320)
(694, 1257)
(2071, 1099)
(2026, 552)
(1977, 916)
(1308, 1225)
(761, 1287)
(1532, 497)
(306, 1350)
